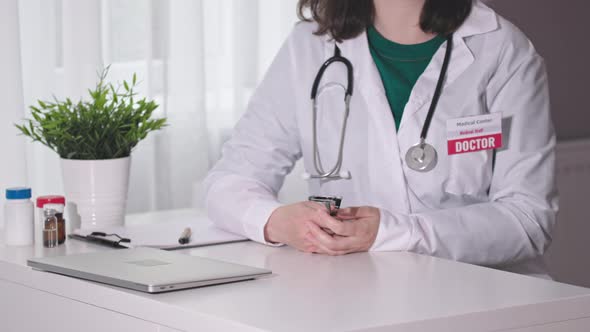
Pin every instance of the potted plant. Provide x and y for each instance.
(94, 139)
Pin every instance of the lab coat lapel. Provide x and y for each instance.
(481, 20)
(386, 178)
(421, 96)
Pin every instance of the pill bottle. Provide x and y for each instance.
(18, 217)
(57, 203)
(61, 222)
(50, 232)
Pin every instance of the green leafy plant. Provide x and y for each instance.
(108, 126)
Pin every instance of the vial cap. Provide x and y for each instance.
(49, 212)
(58, 208)
(50, 199)
(18, 193)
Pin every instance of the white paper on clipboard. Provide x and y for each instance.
(164, 235)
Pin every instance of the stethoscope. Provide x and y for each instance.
(336, 171)
(421, 157)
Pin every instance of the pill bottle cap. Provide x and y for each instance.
(58, 208)
(18, 193)
(49, 212)
(50, 199)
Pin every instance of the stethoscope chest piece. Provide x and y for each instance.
(421, 157)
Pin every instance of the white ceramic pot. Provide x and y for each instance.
(96, 191)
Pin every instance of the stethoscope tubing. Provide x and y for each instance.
(438, 90)
(337, 57)
(334, 172)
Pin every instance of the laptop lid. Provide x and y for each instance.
(147, 269)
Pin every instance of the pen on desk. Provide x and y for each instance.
(185, 237)
(98, 240)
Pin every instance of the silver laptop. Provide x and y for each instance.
(147, 270)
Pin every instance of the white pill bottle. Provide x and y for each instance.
(18, 217)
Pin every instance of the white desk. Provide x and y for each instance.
(386, 291)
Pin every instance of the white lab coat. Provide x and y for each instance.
(470, 208)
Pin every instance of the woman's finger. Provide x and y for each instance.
(349, 213)
(333, 243)
(353, 213)
(324, 220)
(315, 206)
(322, 249)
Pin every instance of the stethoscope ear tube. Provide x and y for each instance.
(337, 57)
(335, 172)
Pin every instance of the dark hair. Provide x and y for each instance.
(345, 19)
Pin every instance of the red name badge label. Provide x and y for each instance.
(474, 133)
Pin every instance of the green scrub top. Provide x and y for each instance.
(400, 66)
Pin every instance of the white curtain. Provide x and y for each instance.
(200, 59)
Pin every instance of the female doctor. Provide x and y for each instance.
(448, 148)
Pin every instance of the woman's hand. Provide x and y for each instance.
(356, 232)
(289, 224)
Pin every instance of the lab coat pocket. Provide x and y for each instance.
(469, 174)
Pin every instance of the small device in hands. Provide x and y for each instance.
(332, 203)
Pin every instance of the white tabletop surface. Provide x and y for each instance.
(308, 292)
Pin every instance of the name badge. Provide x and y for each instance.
(474, 133)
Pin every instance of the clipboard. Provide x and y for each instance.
(162, 235)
